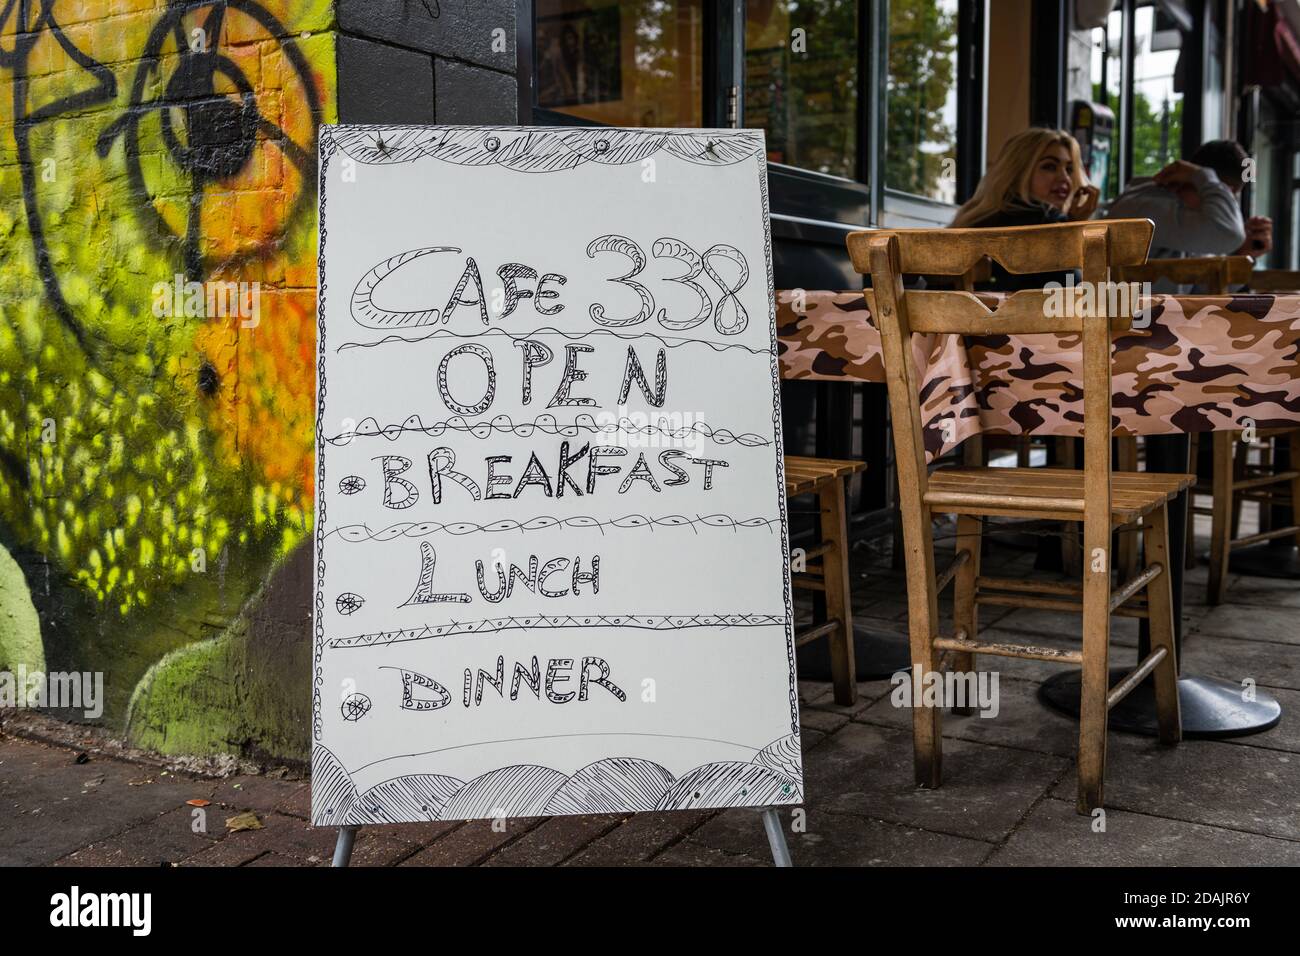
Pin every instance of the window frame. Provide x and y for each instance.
(897, 207)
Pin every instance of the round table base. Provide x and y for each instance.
(1210, 707)
(1266, 560)
(876, 654)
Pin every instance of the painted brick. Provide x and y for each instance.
(383, 84)
(474, 95)
(476, 31)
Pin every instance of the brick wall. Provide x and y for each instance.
(157, 304)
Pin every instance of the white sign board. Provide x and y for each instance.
(551, 544)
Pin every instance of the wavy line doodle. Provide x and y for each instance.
(669, 341)
(410, 529)
(547, 424)
(645, 622)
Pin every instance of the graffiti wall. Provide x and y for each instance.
(157, 244)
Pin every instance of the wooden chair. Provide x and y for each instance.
(829, 574)
(1236, 480)
(1104, 501)
(1275, 280)
(1214, 275)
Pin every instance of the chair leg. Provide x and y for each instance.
(922, 626)
(1194, 451)
(1127, 549)
(1160, 605)
(1221, 523)
(1293, 464)
(839, 600)
(1022, 451)
(1095, 686)
(965, 613)
(1239, 465)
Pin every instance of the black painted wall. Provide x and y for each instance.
(427, 61)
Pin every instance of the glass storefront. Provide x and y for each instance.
(621, 62)
(1107, 76)
(921, 101)
(801, 82)
(1157, 104)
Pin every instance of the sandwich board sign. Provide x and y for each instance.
(552, 568)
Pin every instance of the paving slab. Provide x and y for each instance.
(868, 693)
(1267, 663)
(1022, 721)
(866, 769)
(1055, 835)
(687, 853)
(285, 835)
(1039, 622)
(47, 809)
(639, 838)
(1249, 622)
(554, 841)
(470, 843)
(822, 721)
(1268, 592)
(1202, 781)
(1284, 736)
(265, 795)
(163, 841)
(822, 838)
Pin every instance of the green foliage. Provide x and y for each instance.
(922, 73)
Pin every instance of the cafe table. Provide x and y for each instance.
(1190, 364)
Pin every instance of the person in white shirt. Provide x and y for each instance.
(1196, 206)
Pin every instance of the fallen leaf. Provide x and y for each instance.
(244, 821)
(199, 803)
(93, 782)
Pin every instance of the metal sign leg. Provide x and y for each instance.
(343, 848)
(776, 838)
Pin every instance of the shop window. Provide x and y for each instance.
(1157, 105)
(921, 101)
(801, 82)
(621, 62)
(1107, 72)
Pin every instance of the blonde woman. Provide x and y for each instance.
(1038, 179)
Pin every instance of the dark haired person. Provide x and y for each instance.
(1196, 207)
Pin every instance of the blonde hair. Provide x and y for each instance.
(1007, 181)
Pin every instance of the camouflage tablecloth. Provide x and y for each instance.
(1203, 363)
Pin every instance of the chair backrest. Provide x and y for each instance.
(1095, 247)
(1213, 273)
(1274, 280)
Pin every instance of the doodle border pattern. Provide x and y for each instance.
(651, 622)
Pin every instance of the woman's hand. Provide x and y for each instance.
(1083, 203)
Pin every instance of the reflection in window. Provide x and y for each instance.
(801, 82)
(921, 131)
(622, 62)
(1271, 188)
(1106, 76)
(1157, 109)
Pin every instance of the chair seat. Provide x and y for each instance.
(1049, 493)
(803, 475)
